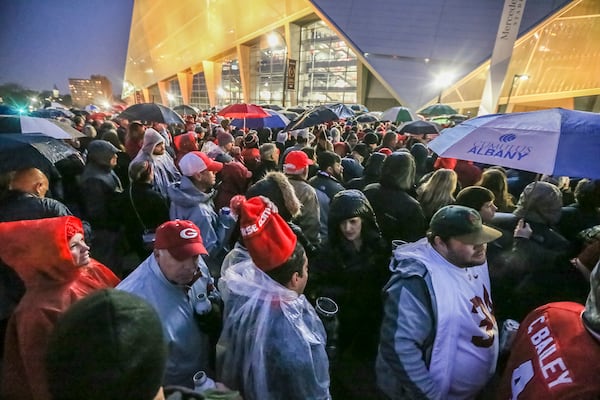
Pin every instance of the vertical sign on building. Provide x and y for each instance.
(291, 75)
(510, 21)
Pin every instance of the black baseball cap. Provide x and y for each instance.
(463, 224)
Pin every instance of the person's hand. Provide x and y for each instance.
(522, 230)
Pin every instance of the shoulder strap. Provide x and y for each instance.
(134, 208)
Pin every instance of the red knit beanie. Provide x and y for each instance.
(268, 238)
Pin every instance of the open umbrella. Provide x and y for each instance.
(52, 113)
(321, 115)
(185, 109)
(5, 109)
(420, 128)
(398, 114)
(274, 120)
(243, 110)
(435, 110)
(37, 126)
(366, 118)
(92, 108)
(151, 112)
(556, 142)
(23, 151)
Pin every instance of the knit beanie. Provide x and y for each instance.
(347, 204)
(268, 238)
(474, 197)
(224, 138)
(109, 345)
(371, 138)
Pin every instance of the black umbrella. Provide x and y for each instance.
(438, 109)
(420, 128)
(184, 109)
(321, 115)
(151, 112)
(366, 118)
(23, 151)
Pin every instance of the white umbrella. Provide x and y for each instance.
(37, 126)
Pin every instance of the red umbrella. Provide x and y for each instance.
(243, 111)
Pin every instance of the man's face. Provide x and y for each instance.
(487, 211)
(461, 254)
(178, 272)
(228, 147)
(79, 250)
(304, 278)
(337, 171)
(207, 178)
(113, 161)
(159, 149)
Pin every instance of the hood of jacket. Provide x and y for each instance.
(409, 259)
(185, 194)
(591, 314)
(38, 250)
(151, 139)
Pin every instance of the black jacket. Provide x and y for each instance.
(399, 215)
(17, 205)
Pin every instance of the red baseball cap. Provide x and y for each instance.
(181, 237)
(296, 161)
(268, 238)
(197, 161)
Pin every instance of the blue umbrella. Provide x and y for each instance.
(274, 120)
(555, 142)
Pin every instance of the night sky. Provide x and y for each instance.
(46, 42)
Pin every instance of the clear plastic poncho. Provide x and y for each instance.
(273, 343)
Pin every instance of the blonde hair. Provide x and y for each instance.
(495, 180)
(438, 191)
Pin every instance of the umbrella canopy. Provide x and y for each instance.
(33, 151)
(435, 110)
(556, 142)
(8, 110)
(52, 113)
(37, 126)
(320, 115)
(243, 110)
(366, 118)
(184, 109)
(398, 115)
(274, 120)
(420, 128)
(151, 112)
(91, 108)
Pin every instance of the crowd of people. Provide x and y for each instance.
(157, 251)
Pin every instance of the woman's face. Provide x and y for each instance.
(79, 250)
(351, 228)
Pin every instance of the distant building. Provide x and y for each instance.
(95, 90)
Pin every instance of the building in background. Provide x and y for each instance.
(95, 90)
(379, 53)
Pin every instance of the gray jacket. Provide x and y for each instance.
(408, 330)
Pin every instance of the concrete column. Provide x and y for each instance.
(243, 56)
(212, 75)
(185, 80)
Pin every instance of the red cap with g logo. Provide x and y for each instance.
(181, 237)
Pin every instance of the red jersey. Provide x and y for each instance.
(553, 357)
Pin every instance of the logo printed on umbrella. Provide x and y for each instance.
(500, 150)
(509, 137)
